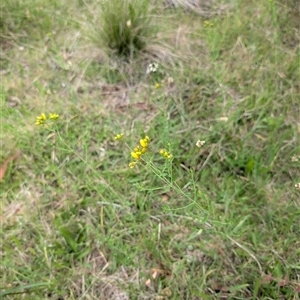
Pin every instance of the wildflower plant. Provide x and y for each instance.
(162, 171)
(138, 155)
(156, 75)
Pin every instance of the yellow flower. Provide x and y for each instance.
(53, 116)
(165, 154)
(140, 150)
(132, 164)
(157, 85)
(208, 24)
(136, 155)
(42, 117)
(162, 151)
(41, 120)
(119, 137)
(144, 143)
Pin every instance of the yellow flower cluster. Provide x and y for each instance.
(41, 120)
(165, 154)
(119, 137)
(208, 24)
(139, 150)
(53, 116)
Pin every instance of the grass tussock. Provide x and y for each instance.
(123, 27)
(151, 171)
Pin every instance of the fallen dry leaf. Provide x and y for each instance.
(6, 162)
(154, 274)
(165, 197)
(223, 119)
(148, 283)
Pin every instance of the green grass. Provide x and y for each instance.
(216, 222)
(122, 27)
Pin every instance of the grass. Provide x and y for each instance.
(123, 27)
(216, 222)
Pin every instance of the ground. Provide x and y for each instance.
(216, 220)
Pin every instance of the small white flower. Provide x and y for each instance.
(295, 158)
(297, 186)
(151, 68)
(200, 143)
(128, 23)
